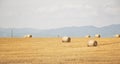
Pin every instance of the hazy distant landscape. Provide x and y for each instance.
(106, 31)
(59, 31)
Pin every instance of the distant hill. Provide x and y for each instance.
(106, 31)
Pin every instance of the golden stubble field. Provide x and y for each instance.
(53, 51)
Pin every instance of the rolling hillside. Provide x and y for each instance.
(106, 31)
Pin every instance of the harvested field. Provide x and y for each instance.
(53, 51)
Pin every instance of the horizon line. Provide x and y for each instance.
(54, 28)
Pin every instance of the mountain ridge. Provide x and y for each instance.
(106, 31)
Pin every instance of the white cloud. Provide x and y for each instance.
(59, 13)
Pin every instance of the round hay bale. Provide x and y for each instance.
(28, 36)
(88, 36)
(97, 36)
(92, 43)
(117, 35)
(66, 39)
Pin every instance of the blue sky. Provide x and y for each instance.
(47, 14)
